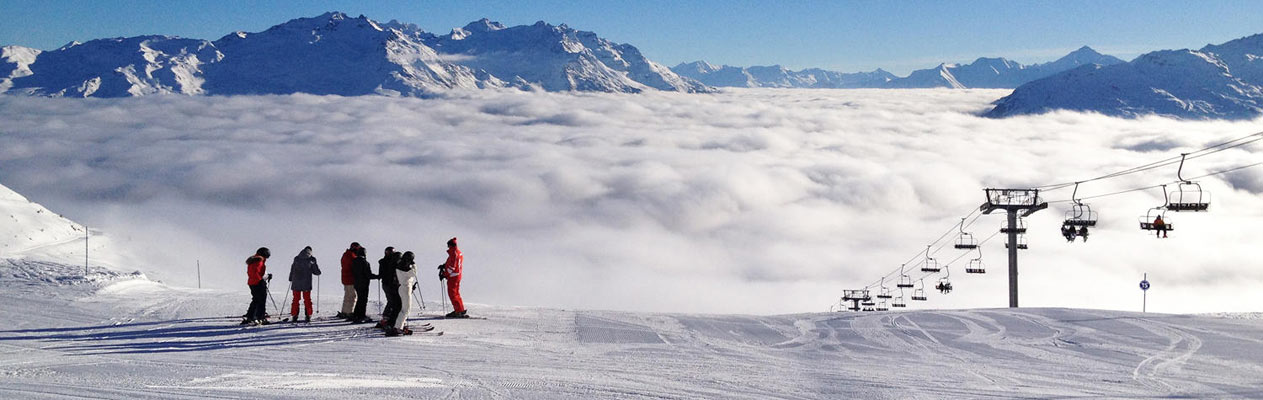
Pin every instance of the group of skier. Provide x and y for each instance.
(396, 271)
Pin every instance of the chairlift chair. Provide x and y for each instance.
(1021, 243)
(885, 291)
(930, 265)
(919, 293)
(882, 306)
(1188, 196)
(944, 286)
(898, 303)
(965, 240)
(1080, 214)
(1146, 221)
(905, 281)
(975, 267)
(868, 309)
(868, 303)
(1021, 226)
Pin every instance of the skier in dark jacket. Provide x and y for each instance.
(257, 277)
(300, 273)
(390, 286)
(363, 273)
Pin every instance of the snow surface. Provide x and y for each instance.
(136, 339)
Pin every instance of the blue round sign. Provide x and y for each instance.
(1144, 285)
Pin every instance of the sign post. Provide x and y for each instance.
(1144, 290)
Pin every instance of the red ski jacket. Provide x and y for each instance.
(348, 278)
(455, 263)
(256, 268)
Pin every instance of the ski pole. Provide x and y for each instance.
(289, 292)
(317, 294)
(269, 288)
(417, 290)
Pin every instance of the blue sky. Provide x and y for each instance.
(840, 35)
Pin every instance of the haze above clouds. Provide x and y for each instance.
(747, 201)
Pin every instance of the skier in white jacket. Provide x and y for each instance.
(406, 271)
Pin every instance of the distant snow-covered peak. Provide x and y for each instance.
(484, 25)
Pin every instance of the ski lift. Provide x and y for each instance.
(945, 284)
(1148, 222)
(1080, 214)
(1021, 242)
(868, 309)
(930, 265)
(905, 281)
(975, 266)
(882, 306)
(918, 294)
(1021, 226)
(885, 291)
(868, 303)
(898, 303)
(1188, 196)
(965, 240)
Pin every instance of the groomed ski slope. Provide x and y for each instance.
(123, 336)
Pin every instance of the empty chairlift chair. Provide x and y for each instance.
(918, 294)
(898, 303)
(882, 306)
(1021, 227)
(885, 291)
(930, 265)
(965, 240)
(975, 267)
(1021, 243)
(905, 281)
(1188, 196)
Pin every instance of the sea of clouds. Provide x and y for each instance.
(747, 201)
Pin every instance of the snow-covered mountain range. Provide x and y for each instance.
(1217, 81)
(992, 73)
(337, 54)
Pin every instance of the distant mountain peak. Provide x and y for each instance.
(484, 25)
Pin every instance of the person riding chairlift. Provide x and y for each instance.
(1068, 232)
(1083, 232)
(1159, 227)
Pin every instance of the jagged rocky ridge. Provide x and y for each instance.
(1215, 82)
(982, 73)
(336, 54)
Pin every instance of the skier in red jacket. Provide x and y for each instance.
(451, 270)
(257, 277)
(348, 281)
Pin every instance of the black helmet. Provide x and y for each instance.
(263, 251)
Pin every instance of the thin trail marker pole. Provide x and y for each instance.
(85, 252)
(199, 274)
(317, 294)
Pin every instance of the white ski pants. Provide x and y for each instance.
(348, 299)
(405, 294)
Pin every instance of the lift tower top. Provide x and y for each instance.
(1013, 202)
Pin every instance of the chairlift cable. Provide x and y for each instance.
(1231, 144)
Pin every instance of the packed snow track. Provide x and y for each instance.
(131, 338)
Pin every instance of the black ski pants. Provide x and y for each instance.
(361, 301)
(393, 303)
(258, 301)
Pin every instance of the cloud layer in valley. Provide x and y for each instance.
(762, 201)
